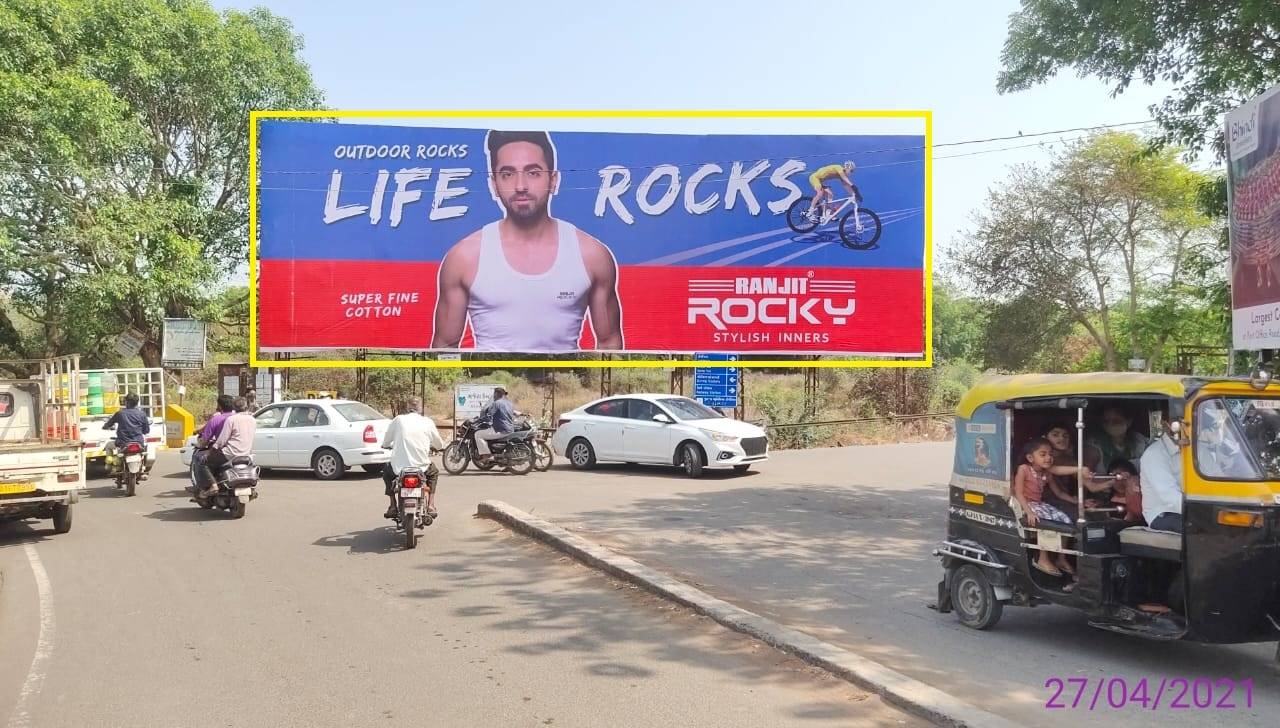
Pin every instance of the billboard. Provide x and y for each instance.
(1253, 194)
(454, 239)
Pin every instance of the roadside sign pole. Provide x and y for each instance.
(740, 411)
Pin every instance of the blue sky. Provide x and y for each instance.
(749, 54)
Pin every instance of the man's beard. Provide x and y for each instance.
(534, 211)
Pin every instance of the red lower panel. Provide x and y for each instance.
(308, 304)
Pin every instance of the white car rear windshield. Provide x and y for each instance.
(358, 412)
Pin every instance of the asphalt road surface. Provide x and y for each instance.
(308, 612)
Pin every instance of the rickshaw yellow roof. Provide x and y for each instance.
(998, 388)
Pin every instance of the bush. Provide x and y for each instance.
(779, 404)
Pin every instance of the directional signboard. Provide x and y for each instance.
(718, 386)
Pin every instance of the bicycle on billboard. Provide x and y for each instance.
(859, 227)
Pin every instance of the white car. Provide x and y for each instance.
(325, 436)
(658, 428)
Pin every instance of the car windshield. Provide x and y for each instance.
(357, 412)
(687, 409)
(1238, 438)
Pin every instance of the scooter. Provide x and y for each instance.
(237, 483)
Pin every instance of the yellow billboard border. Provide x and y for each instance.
(925, 115)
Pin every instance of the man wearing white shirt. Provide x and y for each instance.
(411, 438)
(1161, 468)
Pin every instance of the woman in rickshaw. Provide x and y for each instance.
(1117, 440)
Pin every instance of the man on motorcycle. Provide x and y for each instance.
(501, 415)
(131, 425)
(411, 438)
(212, 428)
(235, 440)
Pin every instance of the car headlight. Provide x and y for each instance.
(719, 436)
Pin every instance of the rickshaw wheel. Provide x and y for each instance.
(973, 599)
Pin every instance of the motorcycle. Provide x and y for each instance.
(411, 512)
(513, 451)
(127, 466)
(237, 483)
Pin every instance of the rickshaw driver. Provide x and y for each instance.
(1161, 469)
(1218, 449)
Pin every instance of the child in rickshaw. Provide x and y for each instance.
(1061, 487)
(1029, 485)
(1127, 490)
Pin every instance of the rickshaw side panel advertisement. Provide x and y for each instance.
(418, 238)
(1253, 190)
(981, 457)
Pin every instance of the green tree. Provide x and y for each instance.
(958, 325)
(1216, 53)
(1108, 225)
(124, 161)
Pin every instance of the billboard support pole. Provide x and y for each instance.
(284, 374)
(606, 377)
(676, 379)
(811, 391)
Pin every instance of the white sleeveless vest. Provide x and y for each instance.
(514, 312)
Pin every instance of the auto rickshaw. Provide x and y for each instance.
(1220, 577)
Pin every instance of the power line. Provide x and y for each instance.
(851, 153)
(1020, 135)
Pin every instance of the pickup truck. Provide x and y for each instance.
(41, 456)
(148, 384)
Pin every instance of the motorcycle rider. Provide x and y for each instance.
(131, 425)
(235, 440)
(501, 415)
(210, 432)
(411, 438)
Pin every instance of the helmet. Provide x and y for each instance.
(849, 166)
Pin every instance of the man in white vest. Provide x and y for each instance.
(527, 281)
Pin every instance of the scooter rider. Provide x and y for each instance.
(411, 438)
(131, 425)
(212, 428)
(235, 440)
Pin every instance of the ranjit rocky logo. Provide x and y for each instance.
(767, 309)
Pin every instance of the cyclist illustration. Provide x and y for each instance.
(831, 171)
(859, 227)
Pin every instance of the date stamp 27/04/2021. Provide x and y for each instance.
(1168, 693)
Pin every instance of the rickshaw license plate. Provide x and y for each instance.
(11, 488)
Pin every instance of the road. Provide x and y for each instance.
(836, 543)
(307, 612)
(832, 542)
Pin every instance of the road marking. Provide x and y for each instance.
(44, 644)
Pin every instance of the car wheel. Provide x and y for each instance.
(691, 460)
(327, 464)
(372, 469)
(581, 455)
